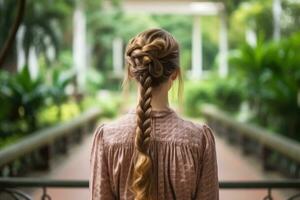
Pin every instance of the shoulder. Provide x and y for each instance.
(201, 134)
(97, 137)
(192, 131)
(116, 131)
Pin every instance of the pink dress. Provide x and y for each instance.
(183, 154)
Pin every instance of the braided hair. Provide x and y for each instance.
(151, 57)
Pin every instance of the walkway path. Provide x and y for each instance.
(232, 166)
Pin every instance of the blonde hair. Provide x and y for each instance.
(151, 57)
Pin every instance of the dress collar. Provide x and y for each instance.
(156, 113)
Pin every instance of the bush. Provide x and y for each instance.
(54, 114)
(225, 93)
(197, 93)
(271, 74)
(229, 94)
(107, 101)
(21, 99)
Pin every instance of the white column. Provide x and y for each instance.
(118, 56)
(20, 49)
(251, 37)
(276, 19)
(196, 48)
(223, 47)
(33, 64)
(79, 46)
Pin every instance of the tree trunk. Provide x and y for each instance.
(12, 34)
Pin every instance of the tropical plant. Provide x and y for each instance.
(44, 23)
(59, 82)
(21, 98)
(229, 93)
(43, 26)
(271, 75)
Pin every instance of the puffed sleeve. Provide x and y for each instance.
(99, 178)
(208, 183)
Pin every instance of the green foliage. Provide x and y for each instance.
(183, 35)
(226, 93)
(290, 21)
(44, 23)
(65, 60)
(231, 5)
(5, 141)
(95, 81)
(46, 116)
(257, 15)
(21, 98)
(210, 51)
(105, 26)
(107, 101)
(229, 94)
(67, 110)
(197, 93)
(59, 81)
(271, 74)
(253, 15)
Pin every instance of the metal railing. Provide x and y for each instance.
(275, 151)
(9, 186)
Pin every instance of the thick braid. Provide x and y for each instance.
(151, 57)
(143, 168)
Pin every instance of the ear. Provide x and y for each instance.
(174, 75)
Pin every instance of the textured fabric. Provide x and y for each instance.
(183, 154)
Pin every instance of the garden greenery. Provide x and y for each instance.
(270, 73)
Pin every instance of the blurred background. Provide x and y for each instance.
(62, 66)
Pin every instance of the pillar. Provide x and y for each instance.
(223, 47)
(33, 64)
(79, 46)
(276, 19)
(118, 56)
(196, 49)
(20, 49)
